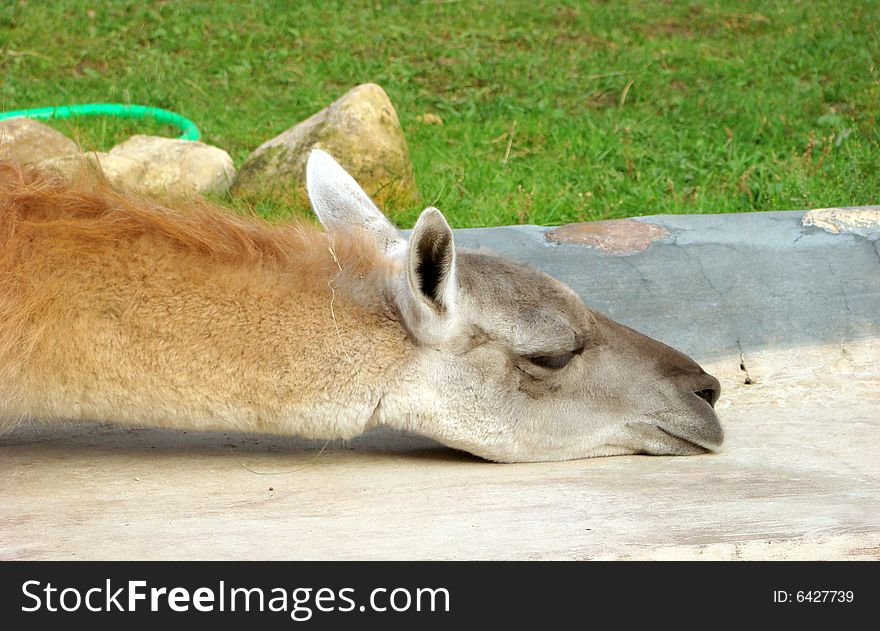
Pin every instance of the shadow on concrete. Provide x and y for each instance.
(99, 439)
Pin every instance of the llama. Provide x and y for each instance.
(115, 308)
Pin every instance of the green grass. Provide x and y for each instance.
(552, 112)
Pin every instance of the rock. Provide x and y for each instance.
(360, 130)
(27, 141)
(158, 166)
(122, 171)
(177, 167)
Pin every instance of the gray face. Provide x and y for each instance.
(555, 380)
(507, 362)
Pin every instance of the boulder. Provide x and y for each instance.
(360, 130)
(177, 167)
(27, 141)
(158, 166)
(122, 171)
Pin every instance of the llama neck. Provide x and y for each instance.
(142, 333)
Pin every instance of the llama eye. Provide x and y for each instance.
(553, 362)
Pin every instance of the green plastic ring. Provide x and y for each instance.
(188, 129)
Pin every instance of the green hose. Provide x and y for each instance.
(189, 129)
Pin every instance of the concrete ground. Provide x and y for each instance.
(786, 316)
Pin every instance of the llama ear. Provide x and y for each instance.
(342, 205)
(428, 300)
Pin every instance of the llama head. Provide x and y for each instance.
(508, 363)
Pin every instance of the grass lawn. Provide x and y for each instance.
(552, 112)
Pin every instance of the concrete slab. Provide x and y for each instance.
(793, 310)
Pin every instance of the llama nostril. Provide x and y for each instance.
(709, 395)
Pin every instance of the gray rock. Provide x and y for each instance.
(361, 130)
(27, 141)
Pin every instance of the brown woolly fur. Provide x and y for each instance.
(89, 209)
(114, 306)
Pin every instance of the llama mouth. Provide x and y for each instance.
(687, 441)
(700, 428)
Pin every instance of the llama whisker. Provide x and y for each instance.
(311, 461)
